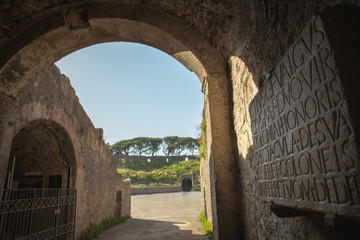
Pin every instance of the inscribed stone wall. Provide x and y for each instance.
(257, 32)
(257, 221)
(304, 141)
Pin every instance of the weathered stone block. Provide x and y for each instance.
(306, 152)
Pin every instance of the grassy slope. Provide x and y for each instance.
(158, 173)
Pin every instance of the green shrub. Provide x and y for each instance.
(208, 228)
(95, 229)
(202, 140)
(158, 173)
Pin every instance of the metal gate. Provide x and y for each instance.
(118, 204)
(40, 214)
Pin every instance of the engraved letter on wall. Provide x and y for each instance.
(304, 141)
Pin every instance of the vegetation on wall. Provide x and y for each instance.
(208, 228)
(95, 229)
(202, 141)
(147, 146)
(158, 173)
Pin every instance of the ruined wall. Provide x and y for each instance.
(125, 188)
(151, 190)
(125, 158)
(96, 177)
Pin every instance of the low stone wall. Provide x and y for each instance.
(150, 190)
(125, 188)
(154, 158)
(160, 189)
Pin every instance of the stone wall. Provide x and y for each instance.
(266, 224)
(95, 174)
(154, 158)
(151, 190)
(233, 46)
(126, 189)
(207, 176)
(160, 189)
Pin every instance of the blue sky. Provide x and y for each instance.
(132, 90)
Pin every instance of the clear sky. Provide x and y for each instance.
(132, 90)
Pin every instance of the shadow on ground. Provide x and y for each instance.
(135, 229)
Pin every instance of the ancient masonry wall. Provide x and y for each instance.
(151, 190)
(310, 161)
(154, 158)
(207, 172)
(96, 176)
(254, 37)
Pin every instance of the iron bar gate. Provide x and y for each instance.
(29, 214)
(118, 204)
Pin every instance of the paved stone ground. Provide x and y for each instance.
(166, 216)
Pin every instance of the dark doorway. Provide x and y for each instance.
(186, 184)
(38, 201)
(55, 181)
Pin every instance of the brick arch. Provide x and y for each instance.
(33, 112)
(44, 146)
(45, 37)
(37, 111)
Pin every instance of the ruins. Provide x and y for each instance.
(59, 161)
(280, 84)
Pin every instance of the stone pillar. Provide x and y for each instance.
(7, 106)
(221, 154)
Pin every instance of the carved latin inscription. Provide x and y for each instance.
(303, 137)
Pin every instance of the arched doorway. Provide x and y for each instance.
(50, 36)
(186, 184)
(39, 197)
(43, 150)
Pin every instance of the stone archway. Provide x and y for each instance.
(186, 184)
(51, 37)
(44, 38)
(42, 150)
(39, 198)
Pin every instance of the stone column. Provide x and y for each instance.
(220, 151)
(7, 106)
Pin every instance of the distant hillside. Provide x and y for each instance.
(134, 159)
(159, 173)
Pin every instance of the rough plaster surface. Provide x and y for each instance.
(96, 178)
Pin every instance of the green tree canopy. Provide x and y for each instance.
(191, 144)
(122, 147)
(140, 145)
(170, 145)
(181, 145)
(154, 145)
